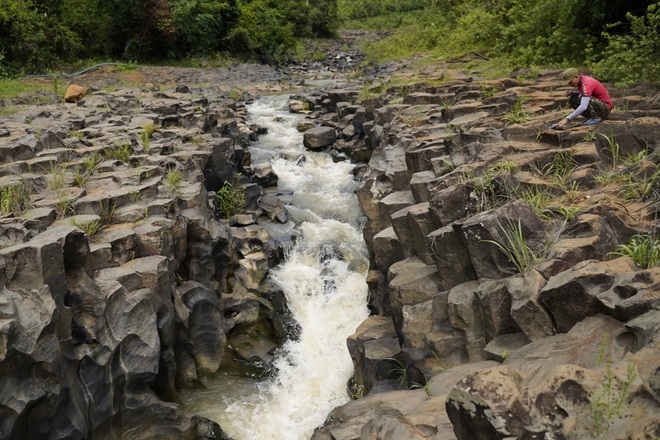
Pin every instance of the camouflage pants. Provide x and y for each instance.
(595, 109)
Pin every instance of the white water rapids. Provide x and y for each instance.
(313, 371)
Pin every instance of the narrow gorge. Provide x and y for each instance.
(125, 293)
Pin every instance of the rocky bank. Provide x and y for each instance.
(121, 284)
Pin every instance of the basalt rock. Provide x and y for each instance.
(119, 285)
(498, 240)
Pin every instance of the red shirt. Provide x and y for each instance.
(589, 86)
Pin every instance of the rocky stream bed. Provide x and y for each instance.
(121, 285)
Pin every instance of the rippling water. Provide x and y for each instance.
(312, 372)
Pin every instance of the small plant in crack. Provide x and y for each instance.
(643, 249)
(89, 228)
(230, 200)
(610, 395)
(400, 371)
(513, 245)
(14, 198)
(173, 181)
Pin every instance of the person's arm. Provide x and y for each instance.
(584, 103)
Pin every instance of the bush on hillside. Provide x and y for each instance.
(632, 57)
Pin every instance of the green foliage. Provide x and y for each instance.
(90, 228)
(14, 198)
(91, 161)
(38, 35)
(561, 166)
(515, 248)
(173, 181)
(632, 56)
(613, 148)
(63, 204)
(527, 33)
(12, 87)
(318, 56)
(355, 391)
(516, 115)
(81, 176)
(538, 198)
(568, 212)
(121, 151)
(262, 31)
(608, 398)
(355, 9)
(644, 249)
(145, 137)
(230, 200)
(400, 371)
(58, 178)
(489, 191)
(636, 189)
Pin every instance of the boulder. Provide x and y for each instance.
(319, 137)
(74, 93)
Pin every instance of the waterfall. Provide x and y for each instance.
(327, 298)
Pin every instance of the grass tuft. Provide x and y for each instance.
(643, 249)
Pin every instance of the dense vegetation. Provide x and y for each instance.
(41, 34)
(618, 39)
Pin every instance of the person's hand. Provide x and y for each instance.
(561, 124)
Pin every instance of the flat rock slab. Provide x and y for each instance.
(468, 118)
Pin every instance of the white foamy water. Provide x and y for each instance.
(312, 372)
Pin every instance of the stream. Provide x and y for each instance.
(328, 299)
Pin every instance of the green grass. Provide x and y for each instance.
(561, 166)
(10, 87)
(641, 189)
(91, 161)
(89, 228)
(514, 247)
(58, 178)
(568, 212)
(400, 371)
(609, 397)
(173, 181)
(643, 249)
(230, 200)
(613, 148)
(121, 151)
(63, 205)
(538, 198)
(14, 198)
(145, 137)
(516, 115)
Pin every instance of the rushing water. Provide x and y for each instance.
(328, 300)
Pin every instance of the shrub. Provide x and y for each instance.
(631, 57)
(230, 199)
(121, 151)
